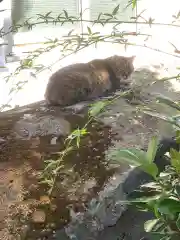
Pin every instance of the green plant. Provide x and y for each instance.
(54, 167)
(161, 195)
(69, 44)
(72, 43)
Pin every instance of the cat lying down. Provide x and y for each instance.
(87, 81)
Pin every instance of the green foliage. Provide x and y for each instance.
(152, 149)
(97, 108)
(134, 3)
(77, 135)
(165, 190)
(164, 201)
(175, 160)
(54, 167)
(138, 158)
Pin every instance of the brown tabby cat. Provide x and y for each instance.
(86, 81)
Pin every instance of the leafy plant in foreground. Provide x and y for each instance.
(161, 195)
(54, 167)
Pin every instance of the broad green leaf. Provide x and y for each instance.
(175, 159)
(146, 203)
(169, 206)
(152, 185)
(165, 174)
(150, 168)
(152, 149)
(178, 222)
(132, 156)
(178, 136)
(97, 108)
(177, 189)
(116, 9)
(152, 225)
(149, 199)
(161, 236)
(155, 210)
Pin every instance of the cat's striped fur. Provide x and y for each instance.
(86, 81)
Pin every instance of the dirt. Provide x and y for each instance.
(26, 210)
(24, 160)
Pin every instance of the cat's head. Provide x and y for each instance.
(122, 66)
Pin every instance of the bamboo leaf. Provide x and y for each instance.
(175, 159)
(65, 13)
(89, 30)
(47, 14)
(152, 149)
(159, 116)
(97, 108)
(116, 9)
(134, 3)
(168, 101)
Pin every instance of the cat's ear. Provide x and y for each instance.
(132, 58)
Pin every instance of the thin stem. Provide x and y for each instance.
(91, 118)
(145, 46)
(91, 43)
(2, 34)
(154, 49)
(167, 79)
(58, 165)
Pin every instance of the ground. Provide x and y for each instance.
(26, 210)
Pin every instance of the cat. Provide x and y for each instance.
(88, 81)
